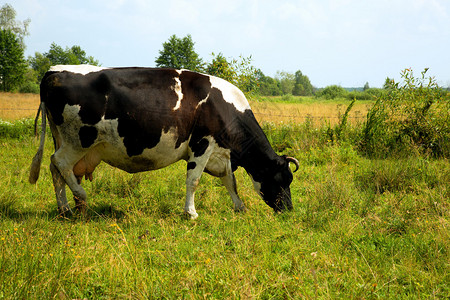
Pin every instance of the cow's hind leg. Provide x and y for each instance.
(64, 159)
(229, 181)
(60, 191)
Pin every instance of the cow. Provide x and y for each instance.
(140, 119)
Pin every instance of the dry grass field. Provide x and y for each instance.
(14, 106)
(317, 111)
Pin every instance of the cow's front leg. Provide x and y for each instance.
(189, 206)
(196, 165)
(60, 191)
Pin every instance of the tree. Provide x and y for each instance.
(240, 72)
(12, 61)
(179, 54)
(220, 67)
(268, 86)
(57, 55)
(69, 56)
(302, 86)
(366, 86)
(8, 22)
(40, 64)
(287, 81)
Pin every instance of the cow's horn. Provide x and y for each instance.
(295, 161)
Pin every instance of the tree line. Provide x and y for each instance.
(24, 75)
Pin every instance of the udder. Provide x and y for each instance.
(86, 166)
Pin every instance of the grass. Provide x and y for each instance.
(361, 228)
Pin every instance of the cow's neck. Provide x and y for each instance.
(256, 156)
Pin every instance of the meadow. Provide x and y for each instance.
(361, 228)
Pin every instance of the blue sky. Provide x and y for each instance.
(344, 42)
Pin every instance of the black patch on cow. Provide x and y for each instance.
(200, 147)
(191, 165)
(88, 135)
(93, 106)
(51, 89)
(101, 84)
(135, 137)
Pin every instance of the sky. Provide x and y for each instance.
(342, 42)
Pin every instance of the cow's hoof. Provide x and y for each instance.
(65, 212)
(241, 209)
(80, 206)
(191, 215)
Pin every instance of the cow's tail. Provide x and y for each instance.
(37, 159)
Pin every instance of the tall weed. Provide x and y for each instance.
(18, 129)
(294, 137)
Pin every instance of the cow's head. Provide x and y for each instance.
(274, 185)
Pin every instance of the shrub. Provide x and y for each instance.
(332, 92)
(413, 117)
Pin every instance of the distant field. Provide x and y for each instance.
(15, 106)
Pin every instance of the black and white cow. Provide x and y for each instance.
(140, 119)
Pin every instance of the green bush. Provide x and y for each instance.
(332, 92)
(413, 117)
(29, 87)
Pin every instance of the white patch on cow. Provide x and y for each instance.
(177, 89)
(165, 153)
(231, 93)
(216, 160)
(219, 161)
(107, 131)
(202, 101)
(70, 127)
(114, 152)
(79, 69)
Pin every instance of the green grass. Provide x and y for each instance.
(360, 228)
